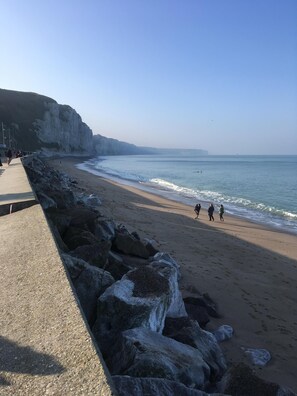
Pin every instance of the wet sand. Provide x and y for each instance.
(250, 271)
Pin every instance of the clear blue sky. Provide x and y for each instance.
(220, 75)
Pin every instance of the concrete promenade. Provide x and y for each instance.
(45, 345)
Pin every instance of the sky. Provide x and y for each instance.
(219, 75)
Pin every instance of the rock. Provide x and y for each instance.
(133, 386)
(148, 282)
(240, 380)
(82, 217)
(116, 266)
(224, 332)
(133, 261)
(104, 229)
(151, 246)
(64, 198)
(141, 352)
(60, 218)
(196, 312)
(170, 272)
(89, 283)
(259, 357)
(89, 200)
(128, 244)
(75, 237)
(167, 259)
(139, 299)
(204, 301)
(96, 255)
(45, 201)
(188, 332)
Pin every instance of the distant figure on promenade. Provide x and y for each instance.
(210, 212)
(197, 210)
(222, 210)
(9, 156)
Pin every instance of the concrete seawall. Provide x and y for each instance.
(46, 346)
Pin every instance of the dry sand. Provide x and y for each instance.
(250, 271)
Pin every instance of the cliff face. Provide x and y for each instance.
(109, 146)
(33, 122)
(63, 128)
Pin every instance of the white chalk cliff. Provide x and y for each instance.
(62, 129)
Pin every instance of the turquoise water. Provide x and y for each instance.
(258, 188)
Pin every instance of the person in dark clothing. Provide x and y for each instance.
(9, 156)
(210, 212)
(222, 210)
(197, 210)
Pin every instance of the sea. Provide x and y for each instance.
(262, 189)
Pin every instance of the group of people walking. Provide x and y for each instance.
(210, 211)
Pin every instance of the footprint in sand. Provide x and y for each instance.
(271, 317)
(264, 327)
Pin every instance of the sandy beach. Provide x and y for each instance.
(250, 271)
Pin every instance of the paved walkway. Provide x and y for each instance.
(15, 190)
(45, 345)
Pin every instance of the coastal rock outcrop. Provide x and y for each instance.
(171, 273)
(141, 352)
(188, 332)
(63, 128)
(38, 122)
(89, 283)
(140, 299)
(129, 244)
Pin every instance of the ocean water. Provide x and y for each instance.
(262, 189)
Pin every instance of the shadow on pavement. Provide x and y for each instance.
(23, 359)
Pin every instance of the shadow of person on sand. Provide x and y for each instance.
(23, 359)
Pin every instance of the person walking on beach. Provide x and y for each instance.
(197, 210)
(222, 210)
(9, 156)
(210, 212)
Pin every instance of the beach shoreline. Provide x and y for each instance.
(248, 269)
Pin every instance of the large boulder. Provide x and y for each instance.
(189, 332)
(141, 352)
(204, 301)
(89, 283)
(95, 254)
(163, 257)
(104, 229)
(45, 201)
(241, 380)
(75, 237)
(171, 273)
(196, 312)
(129, 244)
(60, 218)
(133, 386)
(83, 217)
(117, 266)
(139, 299)
(64, 198)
